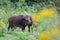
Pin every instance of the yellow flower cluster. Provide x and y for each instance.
(46, 12)
(48, 35)
(54, 31)
(44, 36)
(36, 18)
(2, 24)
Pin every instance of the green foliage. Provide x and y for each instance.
(14, 1)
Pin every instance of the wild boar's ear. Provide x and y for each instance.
(23, 18)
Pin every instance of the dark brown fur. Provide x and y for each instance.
(20, 21)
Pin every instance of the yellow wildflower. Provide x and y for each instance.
(2, 24)
(44, 36)
(54, 31)
(47, 12)
(36, 18)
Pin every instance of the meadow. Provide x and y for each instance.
(45, 15)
